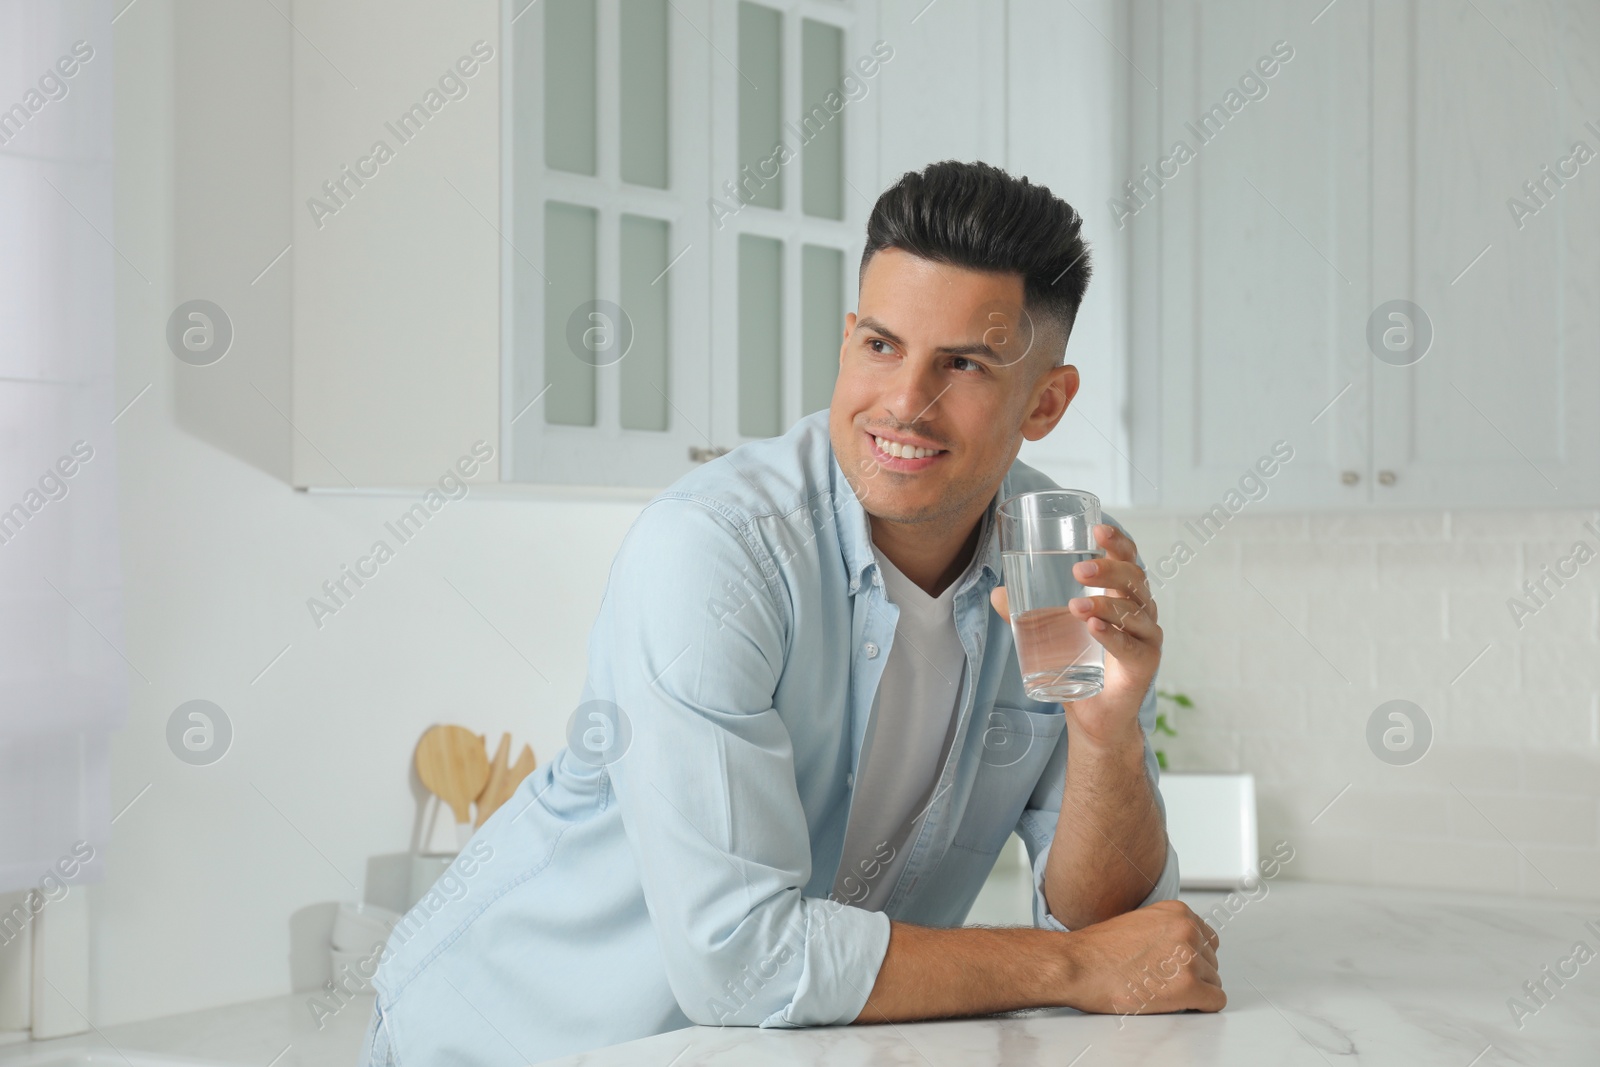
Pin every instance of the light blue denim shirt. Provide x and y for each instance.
(675, 867)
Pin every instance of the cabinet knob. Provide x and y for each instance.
(1350, 477)
(705, 455)
(1386, 477)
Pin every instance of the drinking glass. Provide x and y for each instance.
(1042, 534)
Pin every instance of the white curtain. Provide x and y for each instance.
(63, 675)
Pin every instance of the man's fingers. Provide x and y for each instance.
(1207, 952)
(1209, 997)
(1117, 544)
(1120, 612)
(1118, 578)
(1206, 938)
(1206, 970)
(1201, 936)
(1127, 648)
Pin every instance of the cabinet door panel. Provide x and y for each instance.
(1501, 410)
(1261, 273)
(395, 273)
(794, 155)
(606, 339)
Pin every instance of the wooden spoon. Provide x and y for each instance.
(503, 779)
(454, 764)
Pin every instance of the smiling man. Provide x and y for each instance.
(804, 739)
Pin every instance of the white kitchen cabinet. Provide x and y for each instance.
(435, 307)
(726, 265)
(1503, 409)
(1376, 166)
(396, 290)
(605, 273)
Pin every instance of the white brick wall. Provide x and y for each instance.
(1288, 631)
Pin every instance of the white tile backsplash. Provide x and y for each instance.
(1289, 630)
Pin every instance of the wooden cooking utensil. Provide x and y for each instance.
(503, 778)
(454, 764)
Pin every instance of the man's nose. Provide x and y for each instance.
(915, 391)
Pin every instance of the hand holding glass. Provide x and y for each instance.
(1042, 536)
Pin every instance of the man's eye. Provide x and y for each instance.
(974, 363)
(876, 341)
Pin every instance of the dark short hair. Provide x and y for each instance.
(975, 215)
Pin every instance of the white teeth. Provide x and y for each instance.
(895, 448)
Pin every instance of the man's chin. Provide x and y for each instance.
(901, 508)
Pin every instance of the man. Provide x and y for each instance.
(804, 738)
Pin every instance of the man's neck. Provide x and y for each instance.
(929, 558)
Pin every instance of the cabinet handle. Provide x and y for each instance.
(1386, 477)
(1350, 477)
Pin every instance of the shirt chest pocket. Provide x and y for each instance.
(1013, 748)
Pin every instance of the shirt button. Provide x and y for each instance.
(871, 650)
(850, 781)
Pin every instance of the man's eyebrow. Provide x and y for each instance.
(978, 349)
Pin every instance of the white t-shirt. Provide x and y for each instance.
(913, 721)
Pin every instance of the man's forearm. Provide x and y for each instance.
(1156, 959)
(934, 973)
(1110, 846)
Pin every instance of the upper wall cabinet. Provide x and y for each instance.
(686, 187)
(1485, 216)
(615, 238)
(621, 235)
(622, 244)
(1326, 254)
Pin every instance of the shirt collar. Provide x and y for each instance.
(855, 531)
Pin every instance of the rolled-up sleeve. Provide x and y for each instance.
(694, 634)
(1037, 824)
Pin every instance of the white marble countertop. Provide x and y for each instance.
(281, 1031)
(1313, 973)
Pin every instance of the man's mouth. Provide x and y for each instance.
(897, 456)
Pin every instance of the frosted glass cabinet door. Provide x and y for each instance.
(801, 176)
(651, 326)
(607, 350)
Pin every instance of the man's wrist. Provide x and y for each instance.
(1066, 976)
(1126, 745)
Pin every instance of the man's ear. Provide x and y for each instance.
(1054, 391)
